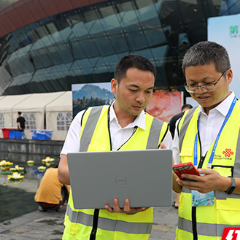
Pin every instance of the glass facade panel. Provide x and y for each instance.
(128, 17)
(119, 43)
(110, 21)
(84, 44)
(192, 11)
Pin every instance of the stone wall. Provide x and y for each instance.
(21, 150)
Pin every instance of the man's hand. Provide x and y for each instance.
(126, 209)
(209, 181)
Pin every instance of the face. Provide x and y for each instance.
(203, 74)
(134, 92)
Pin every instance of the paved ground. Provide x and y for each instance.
(49, 225)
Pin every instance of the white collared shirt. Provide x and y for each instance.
(118, 134)
(209, 126)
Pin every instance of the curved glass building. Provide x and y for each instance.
(47, 45)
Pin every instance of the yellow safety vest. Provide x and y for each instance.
(83, 224)
(208, 222)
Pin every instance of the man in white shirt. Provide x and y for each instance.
(207, 136)
(122, 126)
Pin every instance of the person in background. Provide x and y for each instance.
(124, 125)
(21, 124)
(172, 125)
(175, 118)
(208, 136)
(51, 194)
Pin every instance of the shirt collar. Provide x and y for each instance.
(139, 121)
(223, 107)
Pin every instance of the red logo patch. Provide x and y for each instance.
(231, 234)
(228, 152)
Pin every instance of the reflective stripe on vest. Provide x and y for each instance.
(236, 170)
(89, 128)
(109, 224)
(154, 134)
(184, 127)
(205, 229)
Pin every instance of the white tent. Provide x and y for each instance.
(58, 115)
(33, 109)
(6, 109)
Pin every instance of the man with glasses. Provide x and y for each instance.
(208, 136)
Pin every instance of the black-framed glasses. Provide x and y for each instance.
(208, 87)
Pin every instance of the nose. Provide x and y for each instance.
(140, 97)
(200, 87)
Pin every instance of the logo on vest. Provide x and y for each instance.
(228, 152)
(226, 155)
(121, 180)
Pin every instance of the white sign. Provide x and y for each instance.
(225, 30)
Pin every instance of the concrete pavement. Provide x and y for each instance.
(49, 226)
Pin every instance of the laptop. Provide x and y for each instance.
(142, 176)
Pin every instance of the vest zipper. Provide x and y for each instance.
(194, 209)
(194, 223)
(163, 137)
(95, 225)
(201, 161)
(134, 130)
(96, 211)
(110, 139)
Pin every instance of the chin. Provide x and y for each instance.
(135, 114)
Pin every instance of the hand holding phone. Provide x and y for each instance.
(185, 168)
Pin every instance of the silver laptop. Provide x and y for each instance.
(142, 176)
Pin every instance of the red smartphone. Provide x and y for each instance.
(185, 168)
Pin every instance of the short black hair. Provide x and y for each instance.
(19, 113)
(207, 52)
(132, 61)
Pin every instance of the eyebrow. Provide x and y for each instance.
(204, 79)
(136, 86)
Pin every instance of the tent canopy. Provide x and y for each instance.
(8, 102)
(36, 102)
(61, 104)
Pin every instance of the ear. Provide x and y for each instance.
(114, 85)
(229, 75)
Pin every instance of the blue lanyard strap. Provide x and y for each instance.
(218, 136)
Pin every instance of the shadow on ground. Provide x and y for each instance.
(15, 202)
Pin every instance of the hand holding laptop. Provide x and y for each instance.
(126, 209)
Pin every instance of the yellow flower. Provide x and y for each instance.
(15, 177)
(5, 163)
(17, 169)
(48, 161)
(30, 162)
(41, 168)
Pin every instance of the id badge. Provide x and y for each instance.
(202, 199)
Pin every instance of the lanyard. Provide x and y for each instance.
(218, 136)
